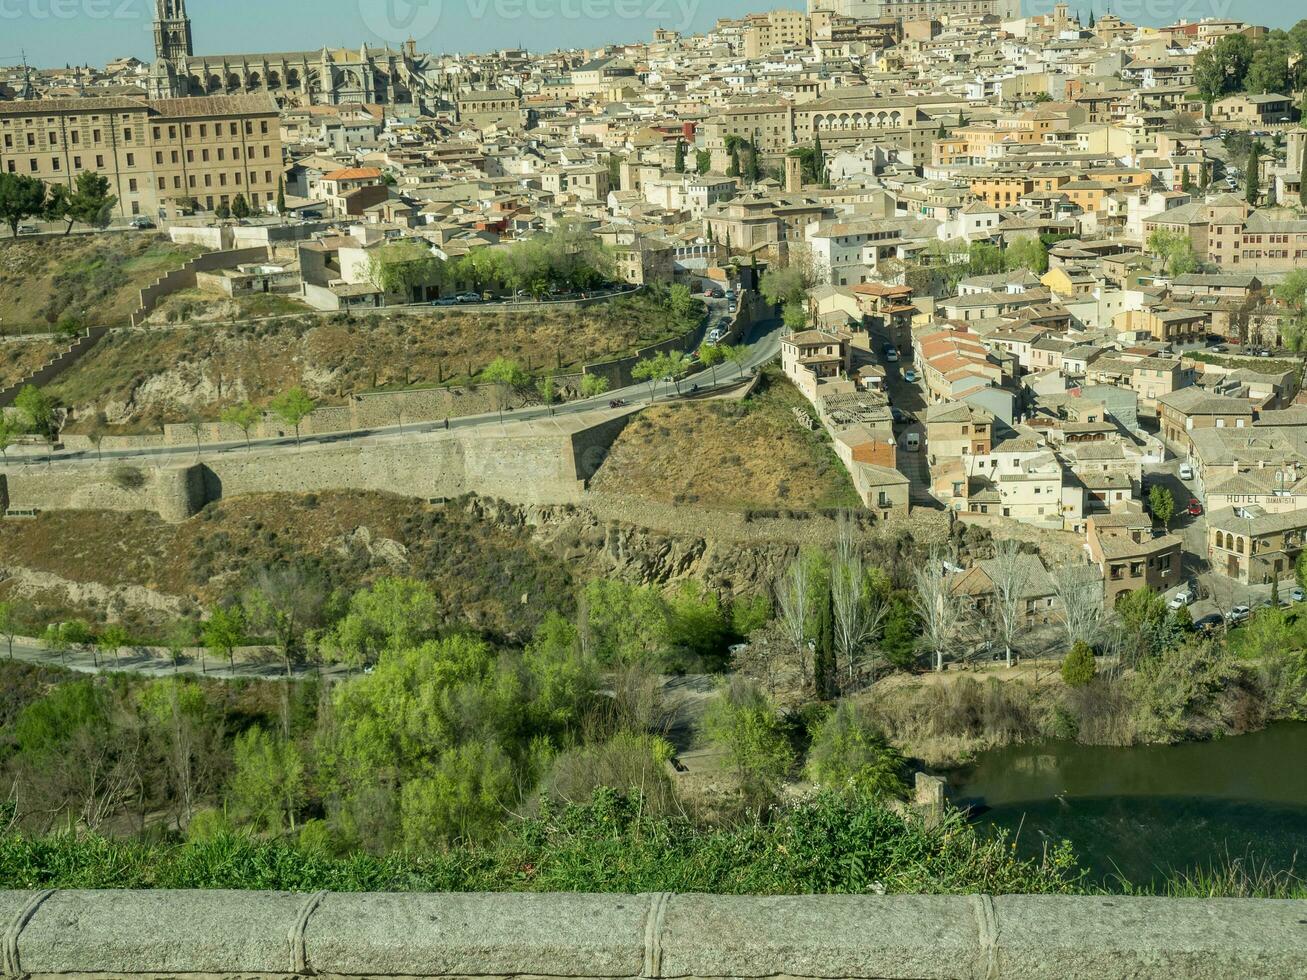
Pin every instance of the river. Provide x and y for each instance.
(1143, 813)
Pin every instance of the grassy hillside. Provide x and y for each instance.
(488, 578)
(142, 378)
(19, 358)
(738, 455)
(95, 278)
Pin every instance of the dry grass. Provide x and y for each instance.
(488, 578)
(735, 455)
(19, 358)
(143, 378)
(96, 278)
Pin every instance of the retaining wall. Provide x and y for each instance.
(184, 278)
(541, 462)
(48, 371)
(211, 934)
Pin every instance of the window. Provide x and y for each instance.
(127, 134)
(54, 163)
(99, 162)
(131, 184)
(77, 163)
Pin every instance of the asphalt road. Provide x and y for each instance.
(763, 344)
(130, 660)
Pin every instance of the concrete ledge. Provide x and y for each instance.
(275, 935)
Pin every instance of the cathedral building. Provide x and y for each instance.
(330, 76)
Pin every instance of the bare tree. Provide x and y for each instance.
(1010, 574)
(1079, 591)
(940, 608)
(284, 601)
(858, 616)
(794, 602)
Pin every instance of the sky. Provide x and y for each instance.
(57, 32)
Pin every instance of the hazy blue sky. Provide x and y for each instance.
(57, 31)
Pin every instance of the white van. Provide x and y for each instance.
(1186, 471)
(912, 442)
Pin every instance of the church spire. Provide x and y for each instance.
(172, 30)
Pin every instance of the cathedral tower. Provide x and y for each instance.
(172, 30)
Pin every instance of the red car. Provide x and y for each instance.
(1195, 508)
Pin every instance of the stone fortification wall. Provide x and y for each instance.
(211, 934)
(543, 462)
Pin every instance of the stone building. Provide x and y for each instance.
(158, 154)
(330, 76)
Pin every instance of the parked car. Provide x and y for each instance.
(617, 403)
(1182, 599)
(912, 442)
(910, 376)
(1220, 349)
(1195, 507)
(141, 224)
(468, 298)
(28, 229)
(1297, 595)
(899, 416)
(1238, 614)
(310, 213)
(1186, 471)
(890, 353)
(445, 301)
(1209, 622)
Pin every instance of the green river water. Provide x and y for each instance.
(1144, 813)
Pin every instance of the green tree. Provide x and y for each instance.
(89, 202)
(21, 197)
(593, 385)
(267, 788)
(113, 638)
(901, 631)
(1028, 253)
(1141, 614)
(679, 163)
(625, 624)
(1162, 503)
(392, 614)
(744, 721)
(824, 667)
(223, 632)
(293, 407)
(1253, 186)
(283, 602)
(786, 286)
(508, 377)
(795, 317)
(1079, 667)
(281, 195)
(240, 208)
(650, 370)
(703, 161)
(9, 625)
(851, 754)
(244, 417)
(710, 355)
(463, 798)
(681, 301)
(1175, 250)
(10, 432)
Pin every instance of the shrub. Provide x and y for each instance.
(1079, 668)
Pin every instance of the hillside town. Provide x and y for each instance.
(1031, 269)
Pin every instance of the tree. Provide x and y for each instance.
(1141, 614)
(9, 625)
(1028, 252)
(21, 197)
(240, 208)
(677, 366)
(267, 788)
(939, 608)
(9, 434)
(1302, 177)
(680, 300)
(851, 754)
(743, 720)
(794, 604)
(89, 202)
(1162, 503)
(794, 317)
(38, 409)
(244, 417)
(858, 611)
(593, 385)
(393, 614)
(738, 355)
(650, 370)
(463, 798)
(283, 602)
(508, 377)
(710, 355)
(223, 211)
(223, 632)
(547, 389)
(1079, 667)
(1253, 176)
(1010, 574)
(679, 163)
(293, 407)
(785, 287)
(1079, 591)
(703, 161)
(824, 667)
(113, 638)
(281, 195)
(1175, 250)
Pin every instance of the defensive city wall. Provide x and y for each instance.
(205, 935)
(539, 462)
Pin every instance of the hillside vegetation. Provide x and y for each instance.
(143, 378)
(95, 279)
(738, 455)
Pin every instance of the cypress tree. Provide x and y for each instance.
(824, 666)
(680, 156)
(1302, 177)
(819, 161)
(1254, 185)
(281, 195)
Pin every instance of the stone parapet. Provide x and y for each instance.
(255, 935)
